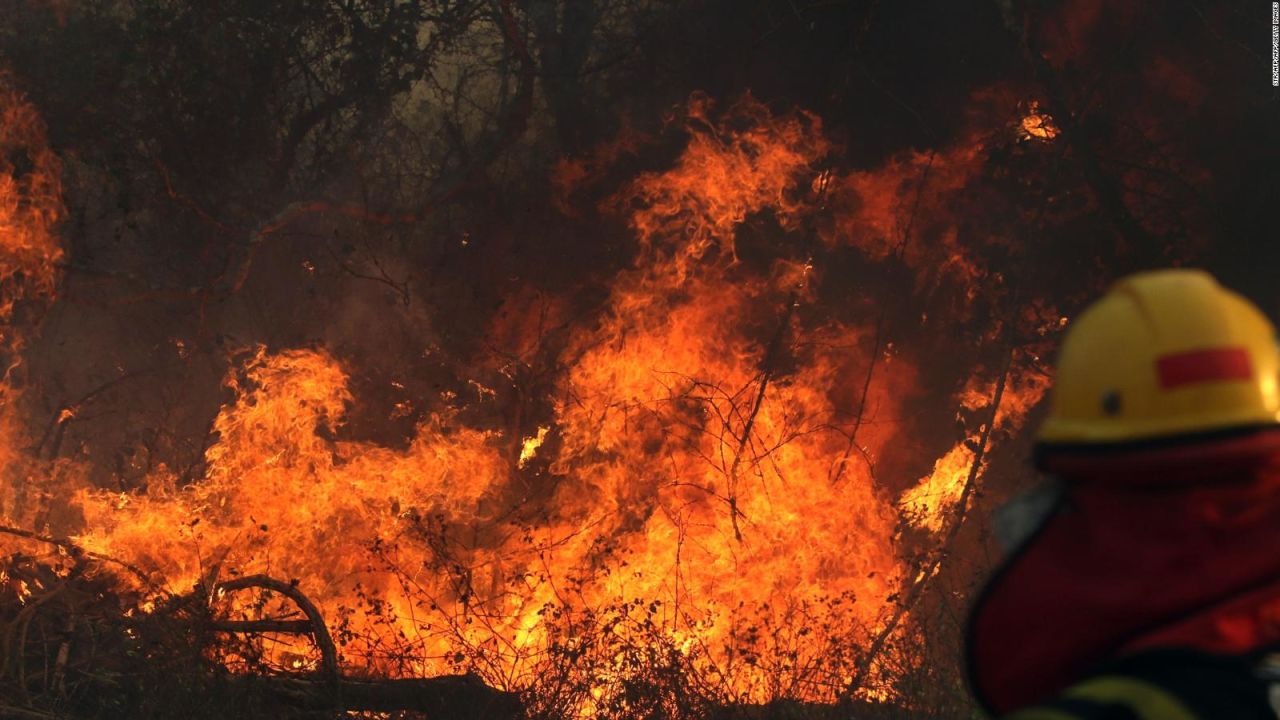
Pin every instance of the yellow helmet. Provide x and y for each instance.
(1165, 354)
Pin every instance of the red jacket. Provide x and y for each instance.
(1175, 547)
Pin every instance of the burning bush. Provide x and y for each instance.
(373, 382)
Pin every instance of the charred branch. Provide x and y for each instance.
(76, 551)
(463, 697)
(1076, 134)
(293, 627)
(315, 621)
(932, 561)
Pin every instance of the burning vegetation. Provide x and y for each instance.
(371, 370)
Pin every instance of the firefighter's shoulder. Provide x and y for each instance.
(1171, 684)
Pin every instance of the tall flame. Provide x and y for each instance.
(700, 486)
(30, 207)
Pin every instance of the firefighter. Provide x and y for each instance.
(1143, 579)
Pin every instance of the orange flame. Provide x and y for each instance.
(701, 482)
(30, 207)
(1037, 125)
(935, 496)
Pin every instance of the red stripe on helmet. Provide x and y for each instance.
(1199, 366)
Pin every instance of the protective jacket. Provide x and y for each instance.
(1150, 585)
(1185, 553)
(1176, 684)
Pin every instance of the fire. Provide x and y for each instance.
(722, 177)
(1037, 125)
(701, 486)
(529, 447)
(935, 496)
(30, 207)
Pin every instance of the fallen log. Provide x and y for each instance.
(288, 627)
(60, 639)
(448, 696)
(464, 697)
(852, 709)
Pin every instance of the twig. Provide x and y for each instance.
(929, 568)
(898, 250)
(401, 288)
(768, 367)
(838, 469)
(18, 712)
(1101, 184)
(66, 413)
(64, 653)
(77, 551)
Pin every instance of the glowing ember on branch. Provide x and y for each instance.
(530, 446)
(1037, 125)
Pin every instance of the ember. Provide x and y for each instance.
(1037, 125)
